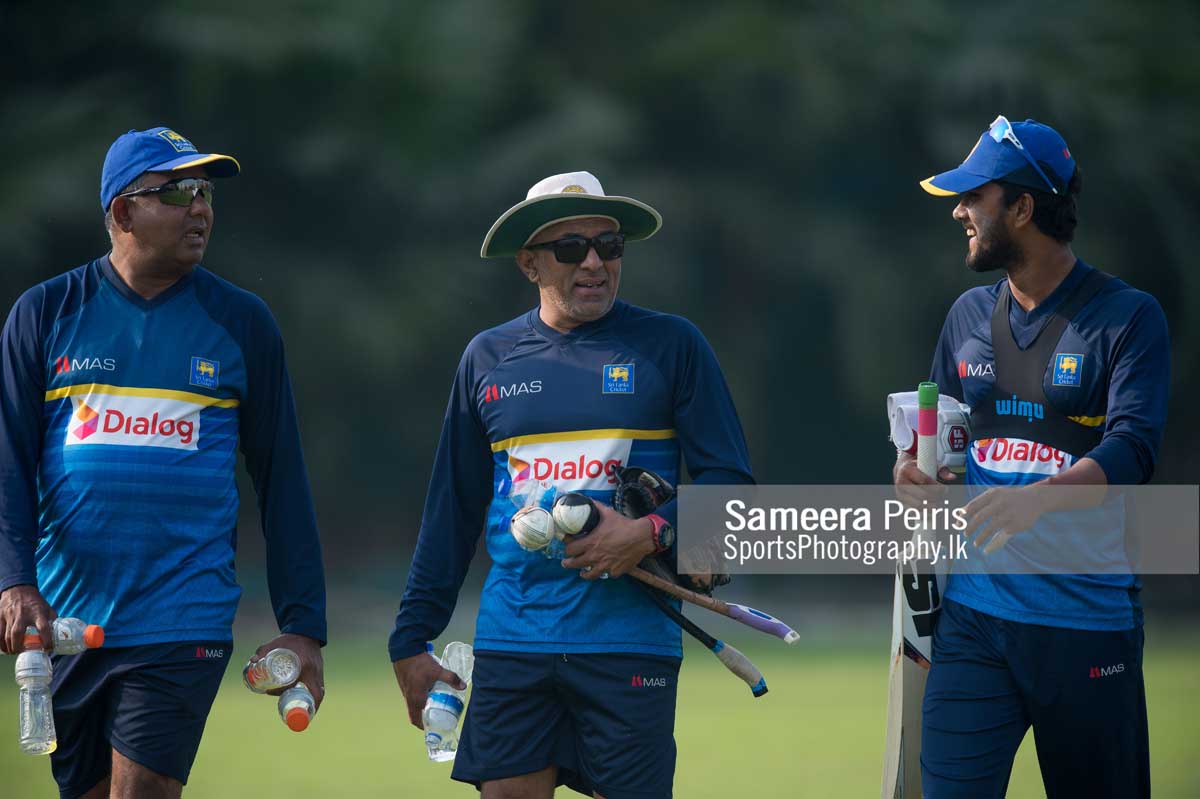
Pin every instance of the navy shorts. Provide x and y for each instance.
(1081, 690)
(606, 720)
(147, 702)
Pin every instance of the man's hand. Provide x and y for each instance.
(415, 676)
(22, 606)
(613, 548)
(1007, 512)
(913, 486)
(700, 567)
(312, 664)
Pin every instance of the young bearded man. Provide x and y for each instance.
(1088, 357)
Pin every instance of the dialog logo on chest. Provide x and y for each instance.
(570, 465)
(1018, 456)
(134, 422)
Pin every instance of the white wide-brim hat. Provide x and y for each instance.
(572, 195)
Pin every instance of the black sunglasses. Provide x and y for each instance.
(574, 249)
(178, 192)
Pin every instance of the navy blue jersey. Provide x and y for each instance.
(1110, 370)
(530, 404)
(119, 425)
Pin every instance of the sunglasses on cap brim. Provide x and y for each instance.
(180, 192)
(574, 249)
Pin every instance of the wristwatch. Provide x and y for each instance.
(664, 533)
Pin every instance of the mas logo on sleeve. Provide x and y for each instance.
(618, 378)
(1068, 368)
(205, 373)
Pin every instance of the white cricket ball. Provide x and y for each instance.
(534, 528)
(576, 514)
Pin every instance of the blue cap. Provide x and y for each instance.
(155, 150)
(1045, 163)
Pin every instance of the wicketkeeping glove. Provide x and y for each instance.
(639, 493)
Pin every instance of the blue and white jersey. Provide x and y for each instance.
(119, 430)
(635, 388)
(1108, 374)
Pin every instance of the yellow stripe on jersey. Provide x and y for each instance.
(582, 435)
(86, 389)
(1088, 421)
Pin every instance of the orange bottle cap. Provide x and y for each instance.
(297, 719)
(93, 636)
(33, 641)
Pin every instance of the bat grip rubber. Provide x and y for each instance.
(764, 622)
(740, 665)
(927, 429)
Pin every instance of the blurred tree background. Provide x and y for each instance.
(783, 143)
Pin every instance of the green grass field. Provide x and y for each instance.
(819, 732)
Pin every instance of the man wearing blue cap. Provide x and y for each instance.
(1090, 356)
(128, 384)
(575, 673)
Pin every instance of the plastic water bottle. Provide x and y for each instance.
(72, 636)
(445, 703)
(297, 707)
(279, 668)
(37, 734)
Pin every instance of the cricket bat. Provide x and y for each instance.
(916, 602)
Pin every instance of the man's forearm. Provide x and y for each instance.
(1083, 485)
(17, 563)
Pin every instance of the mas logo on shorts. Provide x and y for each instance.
(208, 653)
(180, 144)
(1068, 368)
(618, 378)
(1096, 672)
(205, 373)
(639, 681)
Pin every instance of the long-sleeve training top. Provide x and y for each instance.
(534, 407)
(119, 423)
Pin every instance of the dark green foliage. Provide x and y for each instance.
(782, 142)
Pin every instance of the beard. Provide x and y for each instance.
(577, 311)
(995, 249)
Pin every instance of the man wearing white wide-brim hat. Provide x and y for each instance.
(575, 671)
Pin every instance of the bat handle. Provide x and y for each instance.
(740, 665)
(764, 622)
(927, 428)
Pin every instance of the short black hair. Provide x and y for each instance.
(1055, 215)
